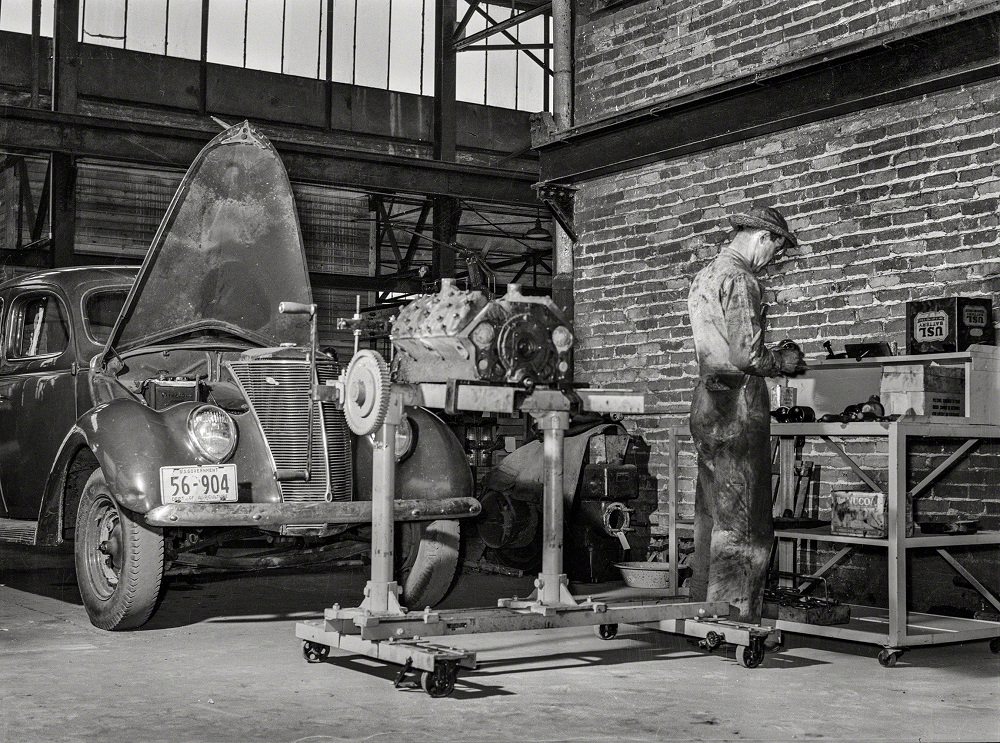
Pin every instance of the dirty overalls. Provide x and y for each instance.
(730, 424)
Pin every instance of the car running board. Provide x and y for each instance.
(21, 531)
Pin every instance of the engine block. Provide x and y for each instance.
(458, 334)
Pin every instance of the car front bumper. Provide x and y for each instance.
(278, 514)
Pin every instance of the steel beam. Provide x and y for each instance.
(62, 207)
(28, 130)
(66, 56)
(960, 49)
(518, 19)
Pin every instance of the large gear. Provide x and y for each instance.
(366, 392)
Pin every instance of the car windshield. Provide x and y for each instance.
(100, 312)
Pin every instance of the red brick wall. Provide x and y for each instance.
(642, 52)
(892, 204)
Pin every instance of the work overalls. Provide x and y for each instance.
(730, 424)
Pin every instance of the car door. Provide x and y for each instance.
(37, 394)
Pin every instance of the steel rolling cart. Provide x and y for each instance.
(828, 384)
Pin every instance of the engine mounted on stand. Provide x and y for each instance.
(459, 351)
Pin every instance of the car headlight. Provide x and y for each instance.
(213, 432)
(405, 438)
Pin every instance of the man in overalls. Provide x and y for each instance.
(730, 415)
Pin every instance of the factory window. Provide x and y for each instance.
(387, 44)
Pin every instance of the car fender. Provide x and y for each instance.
(132, 441)
(436, 468)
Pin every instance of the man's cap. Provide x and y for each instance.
(765, 218)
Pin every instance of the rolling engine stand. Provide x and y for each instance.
(380, 628)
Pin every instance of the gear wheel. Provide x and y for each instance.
(366, 386)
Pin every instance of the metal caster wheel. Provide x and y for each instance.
(887, 658)
(313, 652)
(995, 645)
(606, 631)
(774, 641)
(712, 641)
(441, 681)
(749, 656)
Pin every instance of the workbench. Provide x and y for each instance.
(828, 386)
(894, 628)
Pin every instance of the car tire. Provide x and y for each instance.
(119, 560)
(428, 561)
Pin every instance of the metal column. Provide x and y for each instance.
(382, 592)
(552, 582)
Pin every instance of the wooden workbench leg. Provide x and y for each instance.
(672, 551)
(897, 536)
(786, 501)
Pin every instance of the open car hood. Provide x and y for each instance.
(228, 250)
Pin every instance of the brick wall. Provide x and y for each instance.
(892, 204)
(641, 52)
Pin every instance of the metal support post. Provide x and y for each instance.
(897, 537)
(551, 585)
(552, 579)
(382, 592)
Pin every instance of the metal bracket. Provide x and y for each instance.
(559, 200)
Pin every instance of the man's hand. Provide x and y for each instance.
(790, 358)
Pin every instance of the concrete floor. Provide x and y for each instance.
(220, 662)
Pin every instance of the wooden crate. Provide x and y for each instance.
(923, 389)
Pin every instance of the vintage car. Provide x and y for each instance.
(146, 412)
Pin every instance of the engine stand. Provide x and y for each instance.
(380, 628)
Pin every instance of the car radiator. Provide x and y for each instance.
(278, 391)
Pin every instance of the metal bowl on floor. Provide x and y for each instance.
(645, 574)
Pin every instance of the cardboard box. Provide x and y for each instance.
(863, 513)
(923, 389)
(948, 325)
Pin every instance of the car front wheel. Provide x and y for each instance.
(119, 560)
(428, 561)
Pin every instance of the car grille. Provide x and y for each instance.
(279, 395)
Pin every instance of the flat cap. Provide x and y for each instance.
(764, 218)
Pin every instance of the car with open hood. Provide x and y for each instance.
(150, 414)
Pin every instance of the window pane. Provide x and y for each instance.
(404, 53)
(470, 68)
(43, 328)
(225, 32)
(428, 81)
(101, 312)
(184, 29)
(343, 40)
(15, 15)
(104, 22)
(147, 25)
(372, 62)
(302, 24)
(530, 75)
(264, 35)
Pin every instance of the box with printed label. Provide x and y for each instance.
(923, 389)
(948, 325)
(863, 513)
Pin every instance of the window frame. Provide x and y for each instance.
(15, 321)
(85, 318)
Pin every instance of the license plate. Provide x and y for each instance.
(214, 483)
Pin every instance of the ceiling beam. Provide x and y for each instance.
(32, 130)
(900, 65)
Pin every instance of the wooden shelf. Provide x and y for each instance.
(926, 358)
(870, 625)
